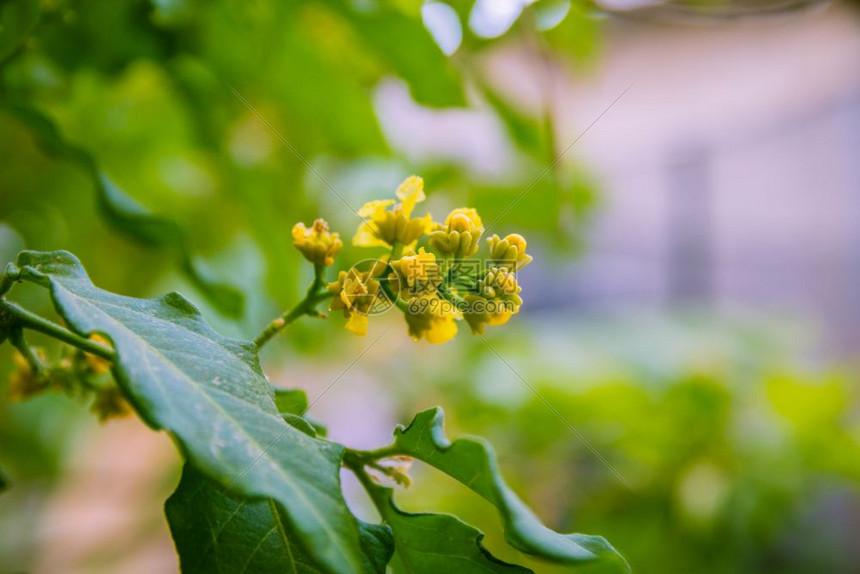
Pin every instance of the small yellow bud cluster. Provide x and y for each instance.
(317, 244)
(435, 285)
(76, 373)
(23, 382)
(497, 300)
(509, 252)
(460, 234)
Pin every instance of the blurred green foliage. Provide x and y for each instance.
(741, 463)
(739, 459)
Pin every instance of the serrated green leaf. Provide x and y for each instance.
(216, 532)
(429, 543)
(472, 461)
(127, 216)
(209, 393)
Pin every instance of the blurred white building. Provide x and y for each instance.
(730, 170)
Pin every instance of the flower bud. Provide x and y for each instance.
(509, 252)
(460, 234)
(317, 244)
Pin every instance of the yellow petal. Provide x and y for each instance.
(357, 324)
(299, 231)
(367, 237)
(441, 331)
(500, 318)
(410, 192)
(373, 209)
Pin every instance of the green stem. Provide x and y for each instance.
(356, 465)
(396, 251)
(10, 275)
(368, 457)
(316, 294)
(16, 337)
(29, 320)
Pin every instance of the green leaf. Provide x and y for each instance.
(127, 216)
(473, 462)
(291, 401)
(4, 482)
(407, 47)
(209, 393)
(293, 406)
(428, 543)
(216, 532)
(17, 19)
(526, 132)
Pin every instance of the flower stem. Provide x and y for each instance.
(316, 294)
(16, 337)
(28, 320)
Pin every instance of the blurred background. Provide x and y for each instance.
(686, 173)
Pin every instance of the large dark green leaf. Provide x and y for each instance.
(430, 543)
(127, 216)
(208, 392)
(216, 532)
(473, 462)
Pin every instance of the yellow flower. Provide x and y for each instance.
(317, 244)
(23, 382)
(497, 300)
(417, 272)
(358, 293)
(430, 318)
(95, 364)
(460, 234)
(509, 252)
(384, 226)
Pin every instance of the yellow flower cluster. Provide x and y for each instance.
(80, 374)
(435, 285)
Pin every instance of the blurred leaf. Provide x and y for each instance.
(408, 48)
(11, 243)
(107, 35)
(215, 532)
(127, 216)
(429, 543)
(17, 19)
(209, 393)
(525, 131)
(4, 482)
(473, 462)
(578, 36)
